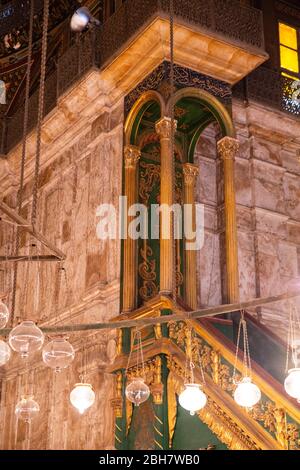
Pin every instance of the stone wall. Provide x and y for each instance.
(85, 171)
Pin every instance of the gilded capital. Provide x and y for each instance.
(190, 172)
(228, 148)
(163, 127)
(132, 155)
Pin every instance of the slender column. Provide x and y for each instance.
(131, 157)
(163, 129)
(190, 173)
(227, 149)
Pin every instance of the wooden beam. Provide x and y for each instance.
(30, 229)
(181, 316)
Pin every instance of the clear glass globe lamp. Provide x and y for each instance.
(192, 398)
(27, 409)
(82, 397)
(4, 314)
(137, 391)
(26, 338)
(5, 353)
(58, 354)
(247, 394)
(292, 383)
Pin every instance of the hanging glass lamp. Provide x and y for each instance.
(26, 338)
(4, 314)
(292, 383)
(5, 353)
(137, 391)
(27, 409)
(58, 354)
(247, 394)
(82, 397)
(192, 398)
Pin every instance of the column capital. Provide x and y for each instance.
(228, 148)
(132, 155)
(190, 172)
(163, 127)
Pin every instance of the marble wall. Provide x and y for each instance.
(85, 172)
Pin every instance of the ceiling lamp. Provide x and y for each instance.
(4, 314)
(81, 19)
(82, 397)
(192, 398)
(292, 381)
(26, 338)
(137, 391)
(4, 353)
(246, 394)
(27, 409)
(58, 354)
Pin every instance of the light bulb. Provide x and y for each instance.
(82, 397)
(5, 352)
(58, 354)
(4, 314)
(26, 338)
(247, 394)
(27, 409)
(137, 391)
(80, 19)
(192, 398)
(292, 383)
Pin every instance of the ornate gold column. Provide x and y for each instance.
(190, 173)
(227, 149)
(131, 157)
(163, 129)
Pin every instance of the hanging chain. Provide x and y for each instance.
(137, 335)
(172, 146)
(242, 330)
(40, 113)
(23, 157)
(294, 321)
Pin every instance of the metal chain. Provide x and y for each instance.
(172, 146)
(40, 113)
(23, 157)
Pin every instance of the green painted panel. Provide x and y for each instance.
(192, 434)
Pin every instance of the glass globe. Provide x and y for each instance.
(27, 409)
(5, 352)
(192, 398)
(292, 383)
(137, 391)
(80, 19)
(58, 354)
(247, 394)
(26, 338)
(4, 314)
(82, 397)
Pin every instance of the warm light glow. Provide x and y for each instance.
(289, 58)
(26, 338)
(137, 391)
(247, 394)
(80, 19)
(292, 384)
(192, 398)
(82, 397)
(58, 354)
(4, 353)
(4, 314)
(288, 36)
(27, 409)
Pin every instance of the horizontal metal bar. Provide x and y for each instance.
(140, 322)
(30, 258)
